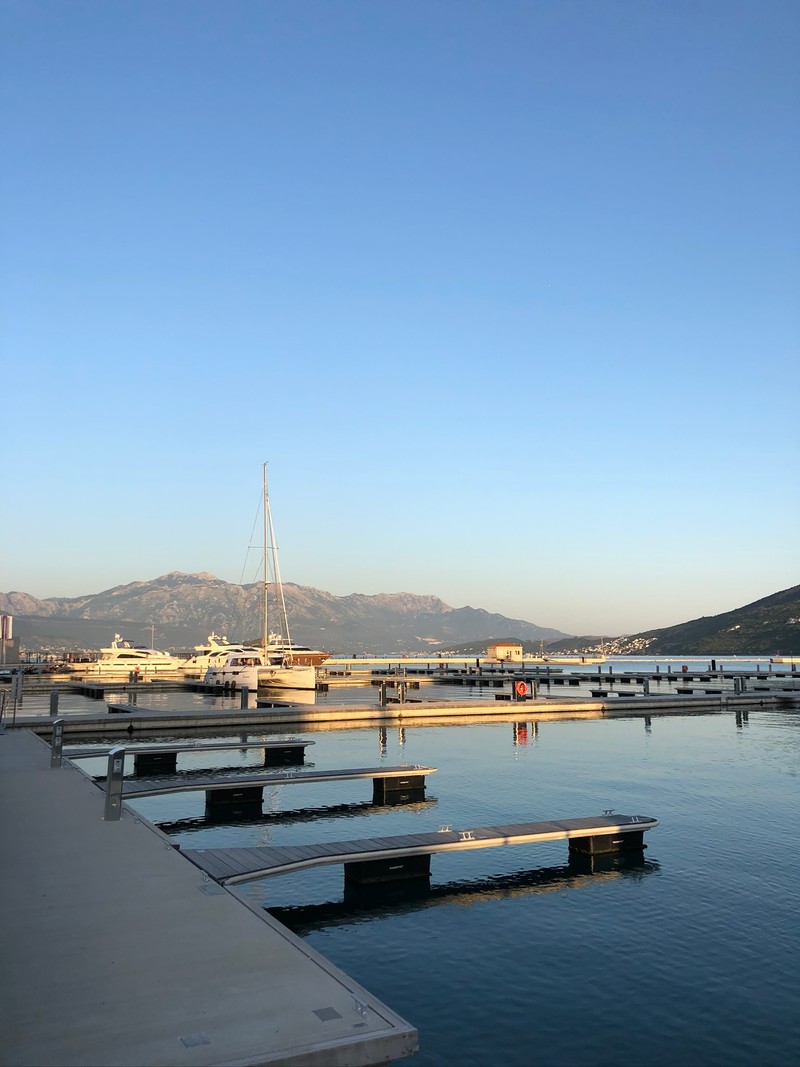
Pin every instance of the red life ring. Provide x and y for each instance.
(521, 688)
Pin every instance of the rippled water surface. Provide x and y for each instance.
(686, 954)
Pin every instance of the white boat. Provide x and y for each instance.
(260, 667)
(212, 654)
(299, 654)
(122, 658)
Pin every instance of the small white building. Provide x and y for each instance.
(505, 652)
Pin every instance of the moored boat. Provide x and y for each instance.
(260, 667)
(301, 655)
(122, 658)
(213, 653)
(251, 668)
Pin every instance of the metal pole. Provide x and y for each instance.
(244, 697)
(116, 771)
(53, 703)
(57, 743)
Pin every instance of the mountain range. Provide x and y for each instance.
(766, 627)
(178, 611)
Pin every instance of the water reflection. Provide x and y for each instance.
(524, 732)
(284, 696)
(365, 903)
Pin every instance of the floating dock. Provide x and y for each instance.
(377, 860)
(118, 952)
(242, 792)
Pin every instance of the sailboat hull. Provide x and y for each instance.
(258, 675)
(289, 677)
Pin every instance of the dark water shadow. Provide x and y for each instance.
(365, 903)
(298, 815)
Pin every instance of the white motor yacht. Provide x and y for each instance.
(213, 654)
(122, 658)
(302, 655)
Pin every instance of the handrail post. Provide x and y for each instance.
(57, 743)
(114, 776)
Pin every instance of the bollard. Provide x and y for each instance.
(57, 743)
(244, 697)
(116, 771)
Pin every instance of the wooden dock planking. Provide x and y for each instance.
(232, 866)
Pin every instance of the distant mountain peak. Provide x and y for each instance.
(183, 576)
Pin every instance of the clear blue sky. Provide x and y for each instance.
(506, 294)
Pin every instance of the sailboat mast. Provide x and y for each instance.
(281, 600)
(266, 565)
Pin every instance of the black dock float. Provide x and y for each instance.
(602, 845)
(225, 804)
(398, 790)
(378, 872)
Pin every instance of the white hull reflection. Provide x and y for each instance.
(296, 696)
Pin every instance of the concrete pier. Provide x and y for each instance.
(117, 952)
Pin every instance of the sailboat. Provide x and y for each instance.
(259, 667)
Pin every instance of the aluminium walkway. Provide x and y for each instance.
(118, 952)
(369, 858)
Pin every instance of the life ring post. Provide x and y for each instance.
(523, 690)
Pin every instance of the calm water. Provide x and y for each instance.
(688, 955)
